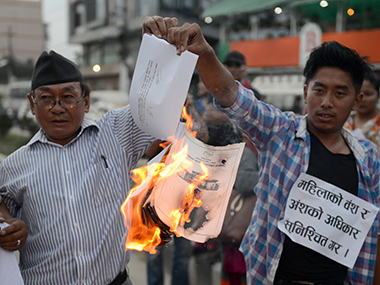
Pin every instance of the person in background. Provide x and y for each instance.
(290, 145)
(206, 110)
(236, 64)
(182, 250)
(68, 183)
(222, 132)
(234, 267)
(206, 119)
(204, 98)
(296, 108)
(365, 122)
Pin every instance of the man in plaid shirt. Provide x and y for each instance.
(290, 145)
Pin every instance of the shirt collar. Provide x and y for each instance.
(358, 150)
(40, 136)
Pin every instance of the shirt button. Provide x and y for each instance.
(80, 253)
(76, 225)
(71, 197)
(67, 172)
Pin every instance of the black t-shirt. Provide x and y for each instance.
(299, 262)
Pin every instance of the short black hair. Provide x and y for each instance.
(334, 54)
(234, 58)
(372, 77)
(223, 134)
(85, 88)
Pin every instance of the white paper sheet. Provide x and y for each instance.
(159, 86)
(9, 270)
(327, 219)
(222, 164)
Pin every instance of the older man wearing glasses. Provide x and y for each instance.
(62, 191)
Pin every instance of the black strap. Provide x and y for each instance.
(120, 278)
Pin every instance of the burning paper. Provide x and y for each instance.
(185, 193)
(208, 175)
(185, 189)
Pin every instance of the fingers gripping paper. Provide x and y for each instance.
(159, 86)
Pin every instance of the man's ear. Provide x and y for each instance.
(87, 103)
(358, 101)
(32, 105)
(305, 93)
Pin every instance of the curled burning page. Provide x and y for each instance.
(159, 86)
(184, 191)
(199, 190)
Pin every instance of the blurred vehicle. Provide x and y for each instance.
(15, 96)
(24, 111)
(104, 100)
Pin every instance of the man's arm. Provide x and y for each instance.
(13, 236)
(214, 75)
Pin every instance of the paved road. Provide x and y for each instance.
(137, 270)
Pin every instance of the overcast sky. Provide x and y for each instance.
(55, 14)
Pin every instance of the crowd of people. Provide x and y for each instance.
(61, 193)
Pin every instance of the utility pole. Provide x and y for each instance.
(340, 17)
(124, 80)
(11, 62)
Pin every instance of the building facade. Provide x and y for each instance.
(269, 34)
(110, 33)
(22, 35)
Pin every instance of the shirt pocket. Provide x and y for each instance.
(103, 183)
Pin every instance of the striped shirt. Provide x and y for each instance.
(70, 198)
(283, 143)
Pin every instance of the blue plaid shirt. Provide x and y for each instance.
(283, 143)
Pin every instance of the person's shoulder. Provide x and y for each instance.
(377, 121)
(370, 147)
(113, 114)
(15, 157)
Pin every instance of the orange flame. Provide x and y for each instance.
(143, 232)
(189, 122)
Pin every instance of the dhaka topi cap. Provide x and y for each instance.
(234, 57)
(52, 68)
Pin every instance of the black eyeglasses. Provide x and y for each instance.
(67, 102)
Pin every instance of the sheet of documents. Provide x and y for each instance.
(327, 219)
(9, 270)
(158, 92)
(159, 86)
(222, 164)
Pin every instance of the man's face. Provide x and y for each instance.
(237, 70)
(60, 124)
(370, 99)
(330, 97)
